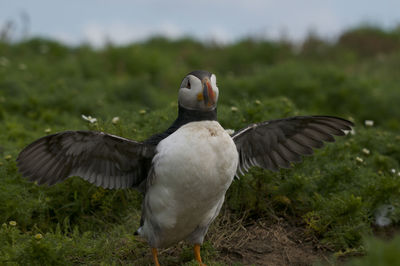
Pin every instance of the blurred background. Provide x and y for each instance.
(121, 62)
(223, 21)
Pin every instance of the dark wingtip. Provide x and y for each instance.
(345, 121)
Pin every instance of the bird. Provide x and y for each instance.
(185, 171)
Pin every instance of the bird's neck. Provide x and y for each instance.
(184, 116)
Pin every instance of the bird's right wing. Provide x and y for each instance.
(102, 159)
(275, 144)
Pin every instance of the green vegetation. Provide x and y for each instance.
(379, 253)
(45, 87)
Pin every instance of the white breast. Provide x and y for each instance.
(193, 169)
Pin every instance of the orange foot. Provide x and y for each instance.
(197, 255)
(155, 256)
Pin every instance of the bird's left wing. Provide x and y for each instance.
(275, 144)
(102, 159)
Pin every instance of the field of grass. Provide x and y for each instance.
(337, 195)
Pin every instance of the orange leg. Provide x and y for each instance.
(197, 254)
(155, 253)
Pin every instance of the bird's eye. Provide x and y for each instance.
(188, 84)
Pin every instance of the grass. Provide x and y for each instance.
(46, 86)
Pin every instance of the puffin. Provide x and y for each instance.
(185, 171)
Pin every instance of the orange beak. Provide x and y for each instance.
(208, 93)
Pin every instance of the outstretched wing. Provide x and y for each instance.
(102, 159)
(276, 143)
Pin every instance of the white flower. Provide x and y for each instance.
(89, 118)
(366, 151)
(3, 61)
(13, 223)
(257, 102)
(381, 215)
(393, 170)
(352, 132)
(115, 120)
(22, 66)
(234, 109)
(230, 131)
(47, 130)
(38, 236)
(360, 160)
(142, 112)
(398, 173)
(369, 123)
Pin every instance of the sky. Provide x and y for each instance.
(223, 21)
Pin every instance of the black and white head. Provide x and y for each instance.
(199, 91)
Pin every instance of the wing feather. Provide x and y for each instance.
(275, 144)
(102, 159)
(304, 140)
(287, 154)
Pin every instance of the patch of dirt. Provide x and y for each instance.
(265, 242)
(386, 233)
